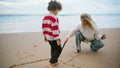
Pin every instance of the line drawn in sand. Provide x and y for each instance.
(40, 60)
(17, 65)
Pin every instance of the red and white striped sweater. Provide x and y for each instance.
(50, 27)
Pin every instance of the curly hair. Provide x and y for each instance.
(54, 5)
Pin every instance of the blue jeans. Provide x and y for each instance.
(95, 44)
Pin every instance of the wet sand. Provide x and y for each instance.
(28, 50)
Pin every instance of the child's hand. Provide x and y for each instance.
(45, 39)
(66, 39)
(59, 42)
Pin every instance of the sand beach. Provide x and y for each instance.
(28, 50)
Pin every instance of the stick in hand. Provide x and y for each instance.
(64, 43)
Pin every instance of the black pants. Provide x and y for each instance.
(55, 51)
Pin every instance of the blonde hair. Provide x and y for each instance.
(89, 20)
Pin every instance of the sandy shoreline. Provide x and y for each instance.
(28, 50)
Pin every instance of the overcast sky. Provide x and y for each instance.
(69, 6)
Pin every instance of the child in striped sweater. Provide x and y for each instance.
(51, 31)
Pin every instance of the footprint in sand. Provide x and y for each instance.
(18, 53)
(35, 45)
(20, 58)
(70, 65)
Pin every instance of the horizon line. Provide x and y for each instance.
(62, 14)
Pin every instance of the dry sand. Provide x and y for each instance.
(28, 50)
